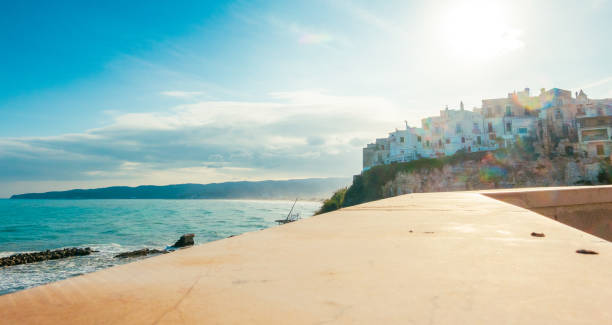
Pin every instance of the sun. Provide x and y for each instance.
(478, 30)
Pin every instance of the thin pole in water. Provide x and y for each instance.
(289, 215)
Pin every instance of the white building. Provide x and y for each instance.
(552, 117)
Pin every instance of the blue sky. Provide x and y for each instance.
(156, 92)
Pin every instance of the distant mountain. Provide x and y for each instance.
(310, 188)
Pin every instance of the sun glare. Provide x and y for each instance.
(478, 30)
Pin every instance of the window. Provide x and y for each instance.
(594, 135)
(447, 141)
(600, 150)
(490, 127)
(383, 147)
(522, 130)
(508, 110)
(492, 136)
(427, 143)
(458, 128)
(462, 139)
(478, 140)
(402, 139)
(509, 127)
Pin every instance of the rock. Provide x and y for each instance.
(25, 258)
(185, 240)
(140, 252)
(538, 234)
(586, 251)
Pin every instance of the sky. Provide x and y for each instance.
(102, 93)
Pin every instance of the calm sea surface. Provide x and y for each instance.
(114, 226)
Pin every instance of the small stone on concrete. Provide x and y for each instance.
(586, 251)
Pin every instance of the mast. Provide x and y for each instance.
(289, 215)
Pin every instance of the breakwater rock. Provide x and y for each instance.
(185, 240)
(25, 258)
(140, 252)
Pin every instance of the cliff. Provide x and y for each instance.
(520, 166)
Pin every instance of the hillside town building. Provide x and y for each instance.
(554, 119)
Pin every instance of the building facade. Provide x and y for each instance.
(555, 119)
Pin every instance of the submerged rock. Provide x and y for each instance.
(25, 258)
(140, 252)
(185, 240)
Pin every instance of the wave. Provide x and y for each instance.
(116, 227)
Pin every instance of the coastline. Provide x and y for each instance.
(117, 226)
(453, 257)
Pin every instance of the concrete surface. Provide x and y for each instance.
(436, 258)
(586, 208)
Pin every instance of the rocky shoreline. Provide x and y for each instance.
(184, 241)
(26, 258)
(141, 252)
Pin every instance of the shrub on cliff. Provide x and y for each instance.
(605, 172)
(368, 186)
(522, 149)
(333, 203)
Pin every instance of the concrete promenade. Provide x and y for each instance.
(434, 258)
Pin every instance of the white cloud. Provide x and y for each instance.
(293, 134)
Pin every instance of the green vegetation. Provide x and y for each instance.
(333, 203)
(605, 173)
(369, 185)
(523, 149)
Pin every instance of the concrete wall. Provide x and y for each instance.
(584, 208)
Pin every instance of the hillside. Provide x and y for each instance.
(520, 166)
(311, 188)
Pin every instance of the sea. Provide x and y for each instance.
(116, 226)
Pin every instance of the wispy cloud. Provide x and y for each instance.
(368, 17)
(597, 83)
(181, 93)
(312, 38)
(294, 134)
(304, 34)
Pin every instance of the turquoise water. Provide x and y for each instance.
(114, 226)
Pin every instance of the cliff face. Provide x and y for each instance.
(521, 166)
(490, 173)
